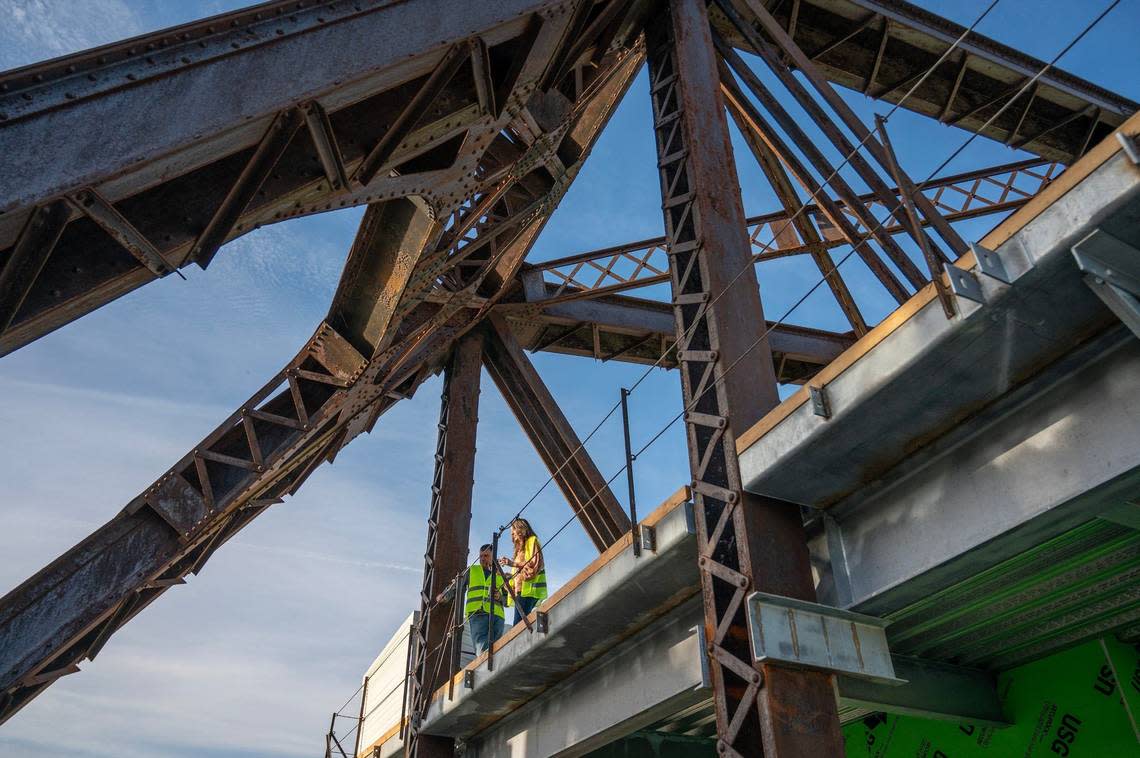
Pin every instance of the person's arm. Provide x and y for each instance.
(448, 591)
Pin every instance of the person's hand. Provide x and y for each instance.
(505, 561)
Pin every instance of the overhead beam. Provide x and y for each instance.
(781, 184)
(829, 30)
(848, 116)
(632, 265)
(269, 151)
(413, 110)
(31, 252)
(833, 178)
(548, 429)
(644, 330)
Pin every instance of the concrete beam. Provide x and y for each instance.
(658, 676)
(1061, 451)
(648, 678)
(918, 375)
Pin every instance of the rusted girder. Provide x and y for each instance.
(892, 43)
(448, 532)
(329, 394)
(537, 411)
(997, 189)
(235, 158)
(745, 543)
(800, 223)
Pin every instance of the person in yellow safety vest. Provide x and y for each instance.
(486, 598)
(529, 578)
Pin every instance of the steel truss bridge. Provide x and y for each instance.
(459, 126)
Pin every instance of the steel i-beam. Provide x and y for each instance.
(570, 464)
(745, 543)
(449, 527)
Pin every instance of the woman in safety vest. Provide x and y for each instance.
(529, 578)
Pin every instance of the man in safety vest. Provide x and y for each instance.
(486, 597)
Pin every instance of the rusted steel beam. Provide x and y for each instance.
(66, 612)
(907, 194)
(31, 252)
(328, 395)
(642, 331)
(918, 39)
(745, 543)
(324, 141)
(811, 72)
(481, 72)
(173, 180)
(415, 108)
(256, 171)
(781, 184)
(834, 214)
(94, 206)
(632, 265)
(574, 471)
(448, 533)
(821, 119)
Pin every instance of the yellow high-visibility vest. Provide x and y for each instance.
(478, 592)
(536, 587)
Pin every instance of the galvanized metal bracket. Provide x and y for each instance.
(469, 679)
(964, 284)
(541, 622)
(820, 402)
(797, 633)
(1131, 147)
(990, 263)
(647, 538)
(1111, 269)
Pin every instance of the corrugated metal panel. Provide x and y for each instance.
(1081, 584)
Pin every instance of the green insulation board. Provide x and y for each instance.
(1082, 702)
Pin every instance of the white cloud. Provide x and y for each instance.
(38, 29)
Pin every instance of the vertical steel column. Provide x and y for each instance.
(449, 524)
(746, 543)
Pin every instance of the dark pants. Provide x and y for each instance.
(481, 636)
(523, 607)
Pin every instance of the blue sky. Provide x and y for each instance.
(251, 656)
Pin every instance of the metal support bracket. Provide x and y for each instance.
(1131, 147)
(647, 538)
(469, 679)
(964, 284)
(820, 402)
(990, 263)
(1111, 269)
(541, 622)
(802, 634)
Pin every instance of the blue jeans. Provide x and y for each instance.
(477, 623)
(523, 607)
